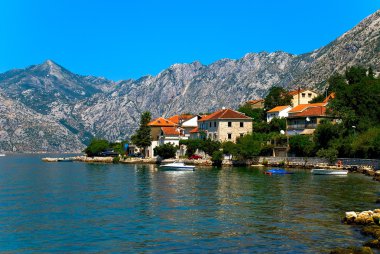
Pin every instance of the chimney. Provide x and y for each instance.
(299, 96)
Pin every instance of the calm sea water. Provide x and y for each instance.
(78, 207)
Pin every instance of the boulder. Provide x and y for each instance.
(352, 250)
(365, 218)
(350, 217)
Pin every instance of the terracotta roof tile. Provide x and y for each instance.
(161, 122)
(255, 101)
(173, 131)
(314, 111)
(195, 130)
(302, 107)
(177, 118)
(278, 109)
(294, 92)
(331, 96)
(224, 114)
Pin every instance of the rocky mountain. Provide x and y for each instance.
(57, 110)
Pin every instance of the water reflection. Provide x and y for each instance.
(68, 207)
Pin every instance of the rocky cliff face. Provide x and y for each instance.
(58, 110)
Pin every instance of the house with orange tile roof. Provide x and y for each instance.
(304, 118)
(259, 103)
(278, 112)
(170, 130)
(223, 125)
(158, 128)
(302, 96)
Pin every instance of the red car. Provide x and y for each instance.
(195, 157)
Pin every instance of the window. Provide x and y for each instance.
(215, 124)
(241, 134)
(309, 95)
(241, 124)
(210, 124)
(303, 95)
(229, 136)
(229, 124)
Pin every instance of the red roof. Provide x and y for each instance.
(255, 101)
(177, 118)
(195, 130)
(170, 131)
(330, 97)
(224, 114)
(302, 107)
(161, 122)
(278, 109)
(314, 111)
(294, 92)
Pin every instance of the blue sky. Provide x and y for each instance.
(128, 39)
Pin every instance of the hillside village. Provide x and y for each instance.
(227, 124)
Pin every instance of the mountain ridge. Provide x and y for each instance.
(81, 107)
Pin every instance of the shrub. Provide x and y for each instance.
(166, 151)
(331, 154)
(96, 146)
(217, 158)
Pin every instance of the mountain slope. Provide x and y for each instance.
(70, 108)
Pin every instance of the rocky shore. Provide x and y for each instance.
(370, 223)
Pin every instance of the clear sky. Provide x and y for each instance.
(120, 39)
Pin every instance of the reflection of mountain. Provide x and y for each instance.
(80, 107)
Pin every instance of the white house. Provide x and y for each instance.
(278, 112)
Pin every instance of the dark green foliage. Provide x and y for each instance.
(229, 147)
(336, 82)
(192, 145)
(142, 136)
(367, 144)
(248, 146)
(319, 98)
(166, 151)
(217, 158)
(355, 74)
(301, 145)
(258, 114)
(325, 133)
(277, 96)
(358, 102)
(277, 124)
(118, 147)
(209, 146)
(96, 146)
(331, 154)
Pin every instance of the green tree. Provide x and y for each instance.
(96, 146)
(258, 114)
(165, 151)
(248, 146)
(229, 147)
(325, 133)
(331, 154)
(355, 74)
(277, 96)
(142, 136)
(192, 145)
(217, 158)
(319, 98)
(301, 145)
(210, 146)
(277, 124)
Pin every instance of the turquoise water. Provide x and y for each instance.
(78, 207)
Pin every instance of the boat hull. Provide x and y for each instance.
(177, 166)
(328, 172)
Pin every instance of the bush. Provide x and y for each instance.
(217, 158)
(116, 159)
(96, 146)
(166, 151)
(331, 154)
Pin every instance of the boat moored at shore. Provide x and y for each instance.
(323, 171)
(177, 166)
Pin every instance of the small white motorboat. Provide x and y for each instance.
(2, 154)
(177, 166)
(323, 171)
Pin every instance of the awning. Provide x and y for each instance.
(307, 131)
